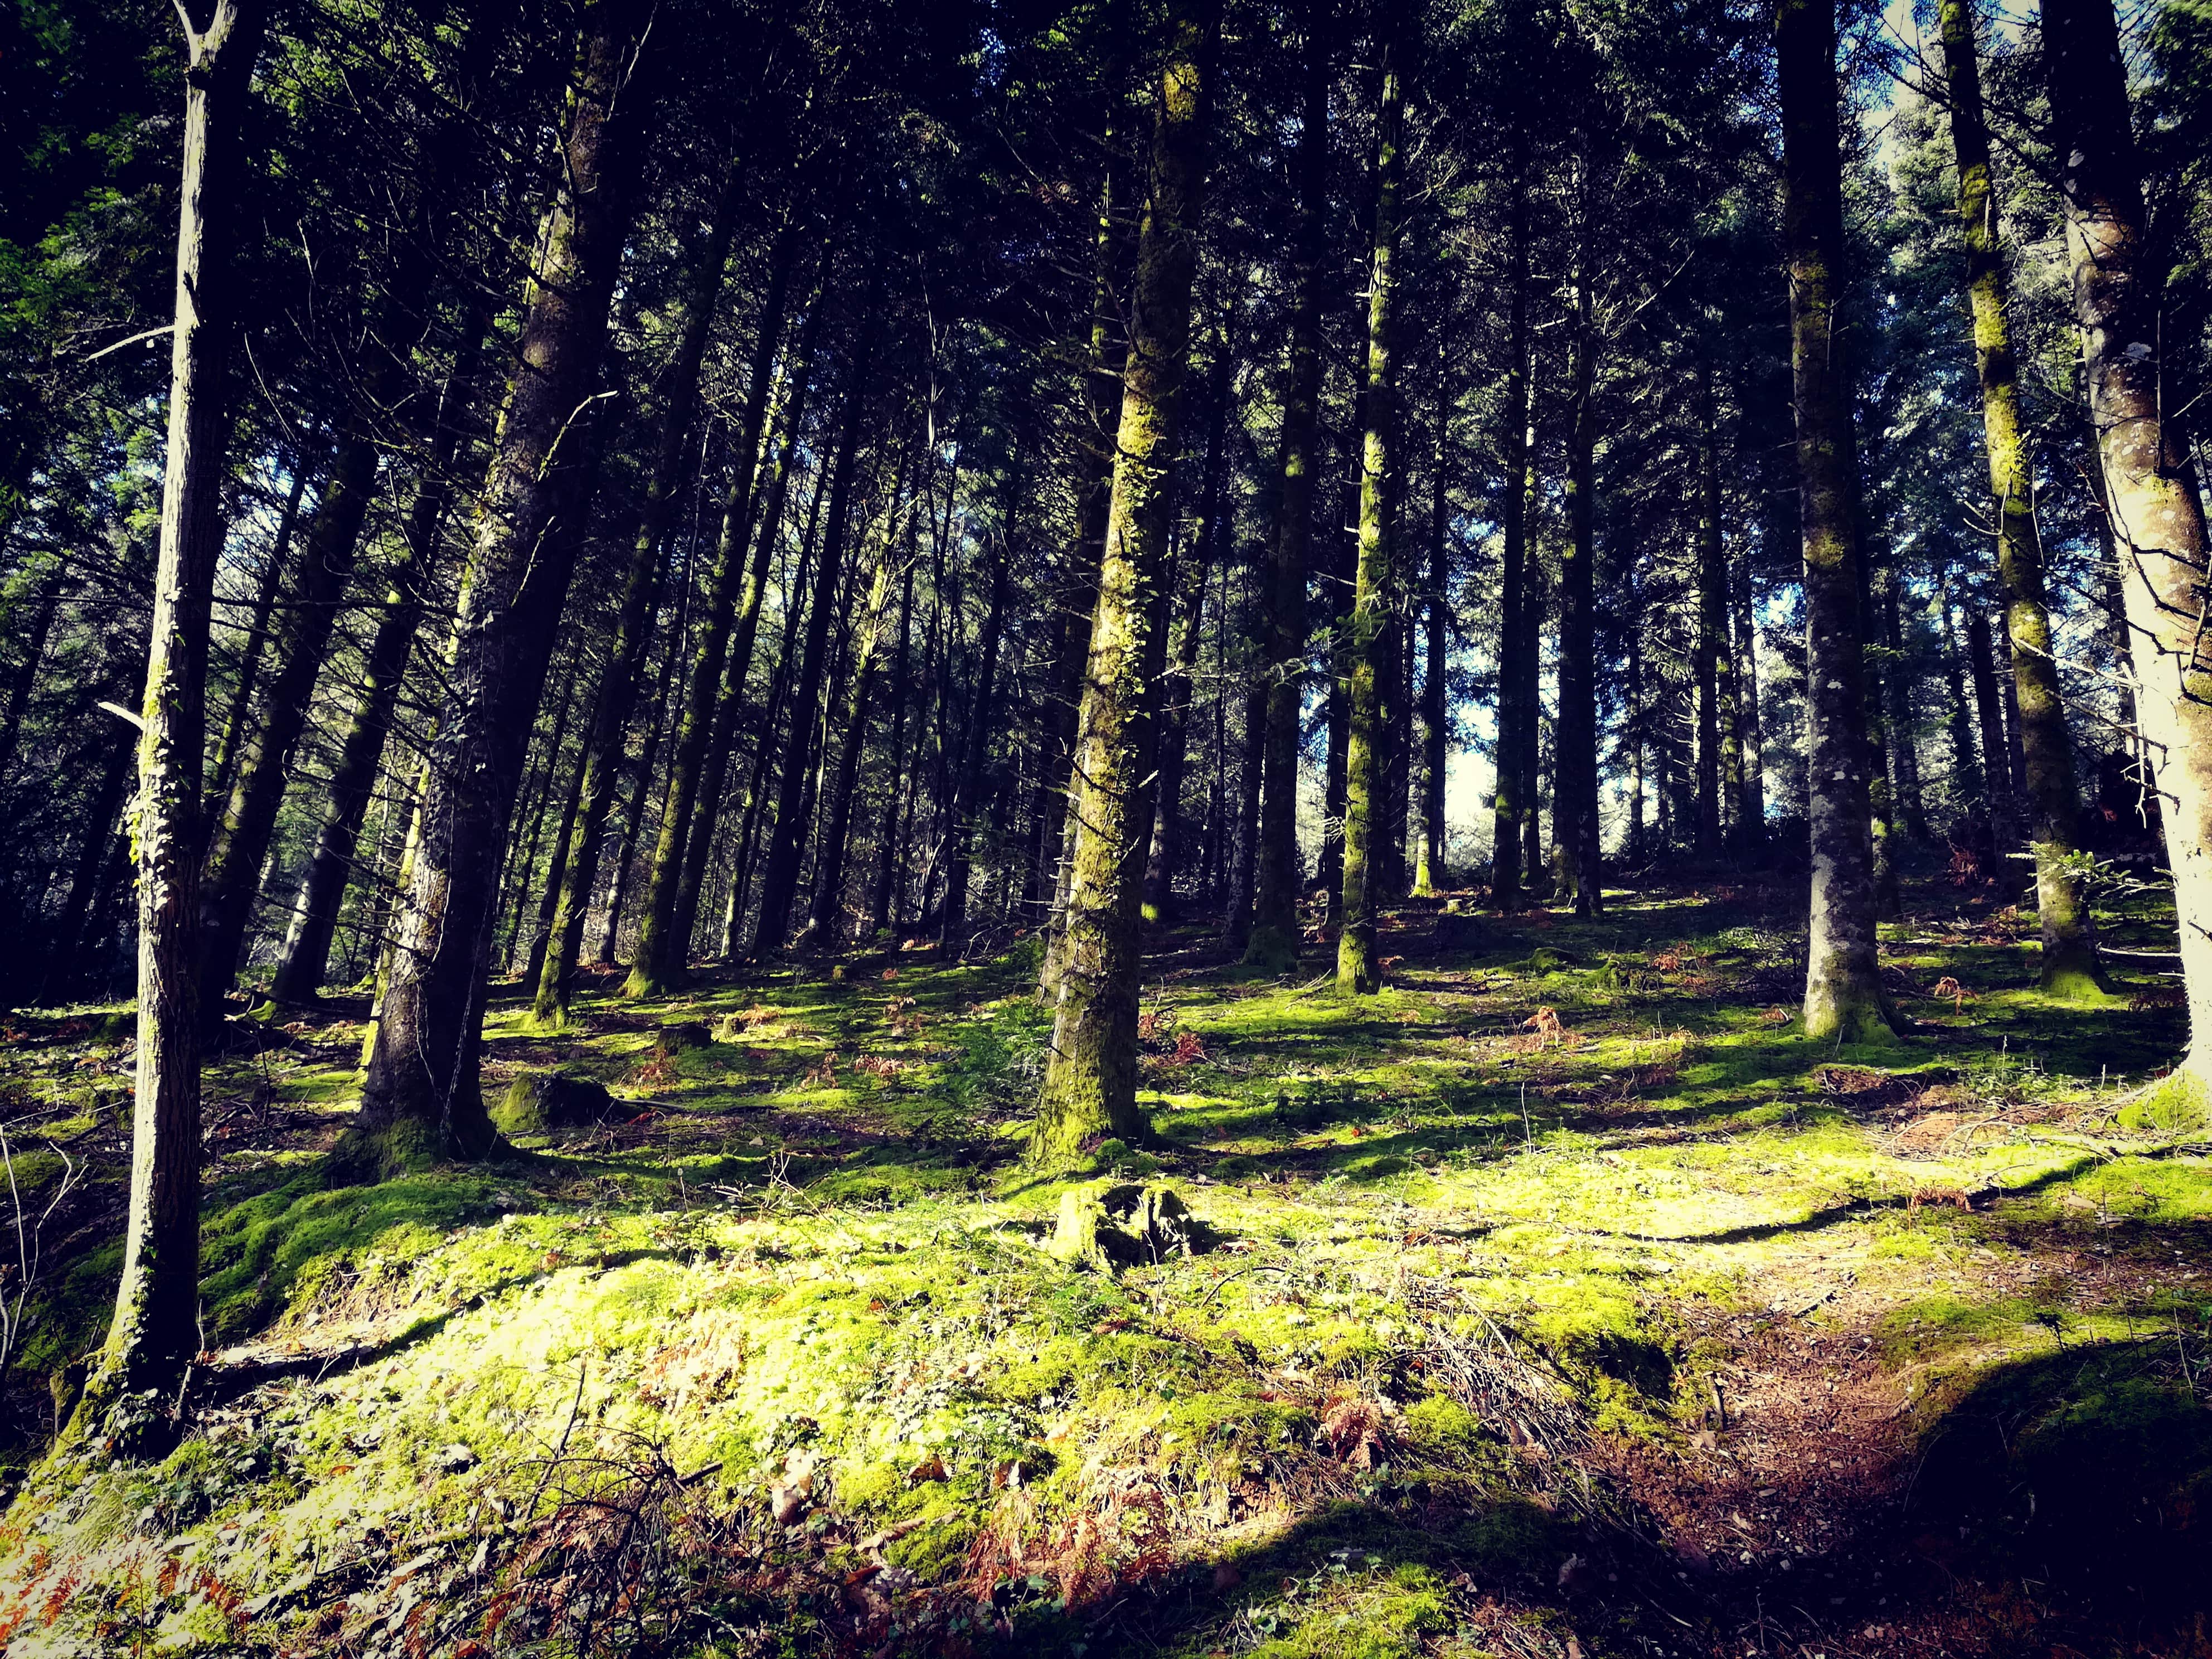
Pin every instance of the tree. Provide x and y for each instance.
(1367, 655)
(154, 1332)
(1275, 903)
(420, 1093)
(1843, 986)
(2157, 518)
(1091, 1082)
(2069, 941)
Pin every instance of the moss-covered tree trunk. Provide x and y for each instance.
(1512, 802)
(154, 1331)
(1090, 1081)
(2157, 517)
(663, 941)
(577, 871)
(2049, 794)
(421, 1092)
(1843, 986)
(1370, 647)
(1278, 878)
(897, 774)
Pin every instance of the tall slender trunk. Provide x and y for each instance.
(2069, 943)
(549, 889)
(1712, 643)
(897, 774)
(1881, 797)
(663, 944)
(223, 763)
(1535, 600)
(1429, 875)
(1367, 638)
(779, 880)
(154, 1334)
(1091, 1078)
(1202, 556)
(974, 749)
(1077, 598)
(421, 1092)
(1515, 631)
(65, 954)
(660, 716)
(1903, 749)
(1843, 986)
(1575, 839)
(1751, 814)
(574, 876)
(1278, 878)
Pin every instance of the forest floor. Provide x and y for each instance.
(1560, 1300)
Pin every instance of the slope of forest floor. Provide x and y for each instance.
(1560, 1300)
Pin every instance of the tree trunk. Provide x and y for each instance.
(1369, 635)
(2070, 944)
(421, 1093)
(1534, 602)
(1430, 876)
(1575, 839)
(1751, 814)
(1516, 632)
(779, 880)
(1905, 749)
(575, 874)
(975, 748)
(1965, 765)
(663, 943)
(1279, 876)
(154, 1334)
(1091, 1078)
(1712, 645)
(884, 897)
(1844, 997)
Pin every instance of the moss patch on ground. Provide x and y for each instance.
(1559, 1293)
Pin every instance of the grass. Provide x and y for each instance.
(1560, 1295)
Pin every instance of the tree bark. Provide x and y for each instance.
(1844, 997)
(1090, 1079)
(1997, 774)
(1279, 877)
(888, 866)
(1516, 632)
(421, 1094)
(1372, 593)
(154, 1333)
(1750, 815)
(975, 747)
